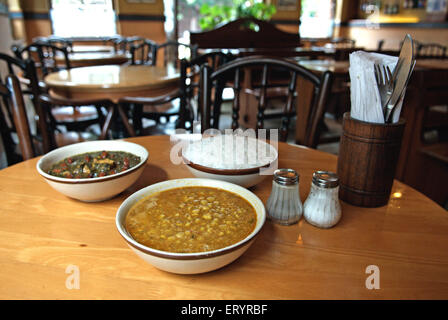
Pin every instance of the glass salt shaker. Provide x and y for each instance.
(284, 205)
(322, 208)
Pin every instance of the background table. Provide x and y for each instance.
(86, 59)
(43, 232)
(113, 82)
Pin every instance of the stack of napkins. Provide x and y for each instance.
(365, 96)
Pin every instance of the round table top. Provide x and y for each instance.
(91, 48)
(44, 233)
(113, 78)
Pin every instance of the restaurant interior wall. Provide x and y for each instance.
(369, 28)
(31, 19)
(287, 16)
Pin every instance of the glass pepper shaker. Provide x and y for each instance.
(284, 205)
(322, 208)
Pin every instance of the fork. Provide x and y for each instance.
(385, 82)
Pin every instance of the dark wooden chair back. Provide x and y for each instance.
(431, 51)
(14, 118)
(180, 98)
(142, 53)
(124, 44)
(343, 42)
(25, 70)
(48, 57)
(423, 162)
(56, 41)
(172, 52)
(189, 81)
(234, 72)
(245, 33)
(20, 118)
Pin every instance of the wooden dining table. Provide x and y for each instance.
(86, 59)
(113, 82)
(46, 235)
(91, 48)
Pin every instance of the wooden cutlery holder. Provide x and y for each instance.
(368, 156)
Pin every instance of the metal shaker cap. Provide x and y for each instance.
(325, 179)
(286, 177)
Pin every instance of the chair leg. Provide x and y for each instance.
(107, 122)
(137, 114)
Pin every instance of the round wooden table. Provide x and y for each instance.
(113, 82)
(91, 48)
(45, 236)
(87, 59)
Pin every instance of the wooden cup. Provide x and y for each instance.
(368, 156)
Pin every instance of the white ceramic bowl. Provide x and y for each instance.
(93, 189)
(190, 263)
(246, 177)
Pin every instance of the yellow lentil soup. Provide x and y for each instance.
(191, 219)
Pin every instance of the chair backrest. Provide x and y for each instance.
(56, 41)
(343, 42)
(173, 52)
(234, 72)
(245, 33)
(142, 53)
(28, 77)
(124, 44)
(15, 117)
(189, 81)
(431, 51)
(48, 57)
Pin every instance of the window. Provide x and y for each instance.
(83, 18)
(317, 19)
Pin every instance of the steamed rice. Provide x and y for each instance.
(230, 152)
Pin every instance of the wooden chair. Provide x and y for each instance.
(142, 53)
(342, 43)
(170, 52)
(426, 113)
(431, 51)
(28, 78)
(235, 70)
(48, 102)
(15, 116)
(48, 57)
(53, 58)
(423, 162)
(124, 44)
(12, 95)
(190, 73)
(179, 102)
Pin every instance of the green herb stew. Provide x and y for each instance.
(94, 164)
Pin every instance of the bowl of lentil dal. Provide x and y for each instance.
(93, 171)
(190, 226)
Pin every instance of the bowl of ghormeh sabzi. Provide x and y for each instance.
(238, 159)
(94, 170)
(190, 226)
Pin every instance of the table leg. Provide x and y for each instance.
(125, 119)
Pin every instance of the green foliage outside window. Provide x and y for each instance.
(213, 15)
